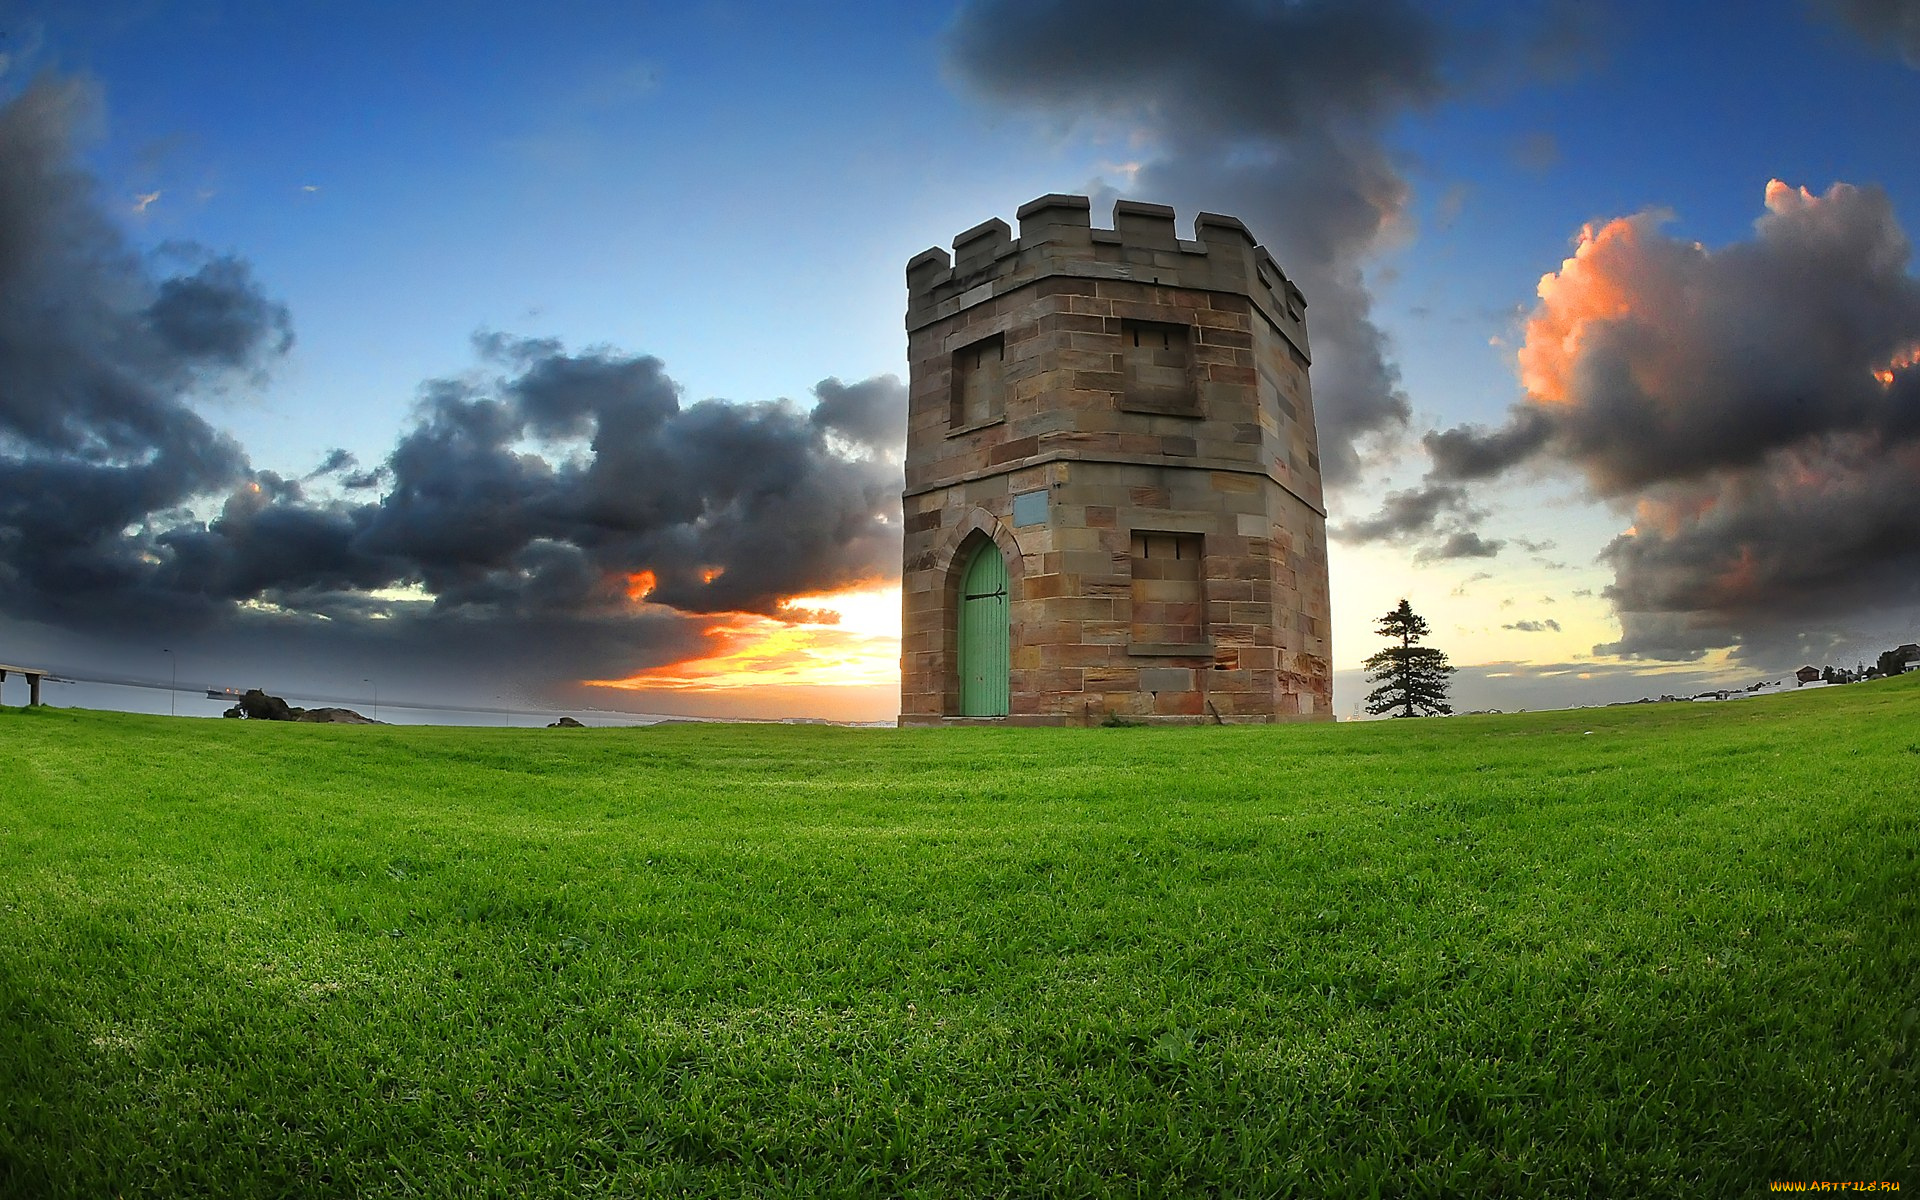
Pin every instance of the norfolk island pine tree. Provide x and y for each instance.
(1412, 678)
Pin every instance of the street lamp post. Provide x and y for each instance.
(376, 697)
(173, 690)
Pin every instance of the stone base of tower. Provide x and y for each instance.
(1105, 626)
(1028, 721)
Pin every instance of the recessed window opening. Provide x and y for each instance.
(979, 391)
(1167, 589)
(1156, 362)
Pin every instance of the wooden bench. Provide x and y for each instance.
(33, 675)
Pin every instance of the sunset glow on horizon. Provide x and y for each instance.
(839, 639)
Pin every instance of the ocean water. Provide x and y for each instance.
(194, 702)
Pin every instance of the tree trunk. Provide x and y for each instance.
(1406, 643)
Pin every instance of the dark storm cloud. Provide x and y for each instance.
(1237, 67)
(1891, 26)
(217, 315)
(1461, 543)
(521, 510)
(337, 462)
(1409, 513)
(1820, 547)
(1468, 452)
(523, 514)
(1272, 112)
(546, 490)
(97, 359)
(1755, 407)
(1434, 518)
(871, 414)
(95, 354)
(532, 500)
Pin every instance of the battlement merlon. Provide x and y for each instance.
(1057, 237)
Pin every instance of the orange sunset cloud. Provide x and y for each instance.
(1593, 285)
(1906, 358)
(840, 639)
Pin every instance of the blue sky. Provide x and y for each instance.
(734, 188)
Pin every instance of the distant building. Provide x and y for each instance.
(1909, 654)
(1808, 675)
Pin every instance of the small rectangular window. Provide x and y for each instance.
(1157, 361)
(979, 388)
(1168, 589)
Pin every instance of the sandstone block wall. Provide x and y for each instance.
(1126, 415)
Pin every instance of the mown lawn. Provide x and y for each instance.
(1651, 951)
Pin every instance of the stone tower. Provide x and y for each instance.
(1112, 494)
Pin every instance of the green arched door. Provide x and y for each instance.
(985, 635)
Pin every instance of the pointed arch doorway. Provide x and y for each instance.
(985, 634)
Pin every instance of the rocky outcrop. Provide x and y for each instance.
(333, 716)
(567, 723)
(256, 705)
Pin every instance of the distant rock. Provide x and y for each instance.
(567, 723)
(333, 716)
(256, 705)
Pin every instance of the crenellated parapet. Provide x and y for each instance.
(1057, 237)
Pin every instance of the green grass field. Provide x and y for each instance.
(1647, 951)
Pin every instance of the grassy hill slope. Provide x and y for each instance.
(1646, 951)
